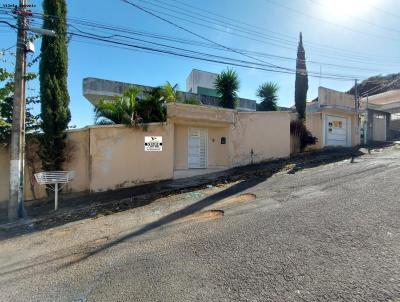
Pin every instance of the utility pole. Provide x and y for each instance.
(366, 123)
(356, 107)
(16, 198)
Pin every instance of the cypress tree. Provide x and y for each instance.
(301, 86)
(53, 71)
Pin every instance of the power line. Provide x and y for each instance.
(278, 39)
(242, 51)
(385, 11)
(342, 58)
(262, 54)
(283, 43)
(9, 24)
(253, 53)
(208, 12)
(249, 65)
(195, 34)
(335, 76)
(205, 18)
(329, 22)
(8, 48)
(258, 40)
(359, 19)
(168, 46)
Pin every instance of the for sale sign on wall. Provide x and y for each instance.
(153, 143)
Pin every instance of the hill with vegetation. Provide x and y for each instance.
(378, 84)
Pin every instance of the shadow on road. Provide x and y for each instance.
(198, 206)
(235, 189)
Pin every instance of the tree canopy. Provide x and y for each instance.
(32, 121)
(268, 93)
(53, 72)
(227, 85)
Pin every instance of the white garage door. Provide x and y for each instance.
(197, 148)
(336, 131)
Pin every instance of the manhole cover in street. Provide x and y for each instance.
(247, 197)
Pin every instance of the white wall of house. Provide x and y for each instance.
(198, 78)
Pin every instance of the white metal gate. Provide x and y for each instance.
(379, 127)
(197, 148)
(336, 131)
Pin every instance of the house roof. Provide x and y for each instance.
(96, 89)
(388, 101)
(384, 98)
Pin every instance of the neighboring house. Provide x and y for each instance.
(97, 89)
(380, 119)
(202, 83)
(333, 118)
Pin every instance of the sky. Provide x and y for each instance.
(353, 38)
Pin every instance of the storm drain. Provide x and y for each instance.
(247, 197)
(204, 215)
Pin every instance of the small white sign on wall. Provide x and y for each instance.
(153, 143)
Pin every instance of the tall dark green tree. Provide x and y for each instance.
(53, 72)
(227, 84)
(301, 86)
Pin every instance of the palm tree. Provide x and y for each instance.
(122, 110)
(152, 107)
(267, 92)
(171, 93)
(227, 85)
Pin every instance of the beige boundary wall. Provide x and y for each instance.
(118, 158)
(113, 157)
(259, 136)
(106, 158)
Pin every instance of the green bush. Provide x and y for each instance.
(298, 129)
(191, 101)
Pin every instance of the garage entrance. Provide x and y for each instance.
(337, 131)
(197, 148)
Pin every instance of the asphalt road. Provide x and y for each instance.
(329, 233)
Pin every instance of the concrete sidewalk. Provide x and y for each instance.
(41, 215)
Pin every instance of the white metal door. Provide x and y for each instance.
(197, 148)
(379, 128)
(336, 131)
